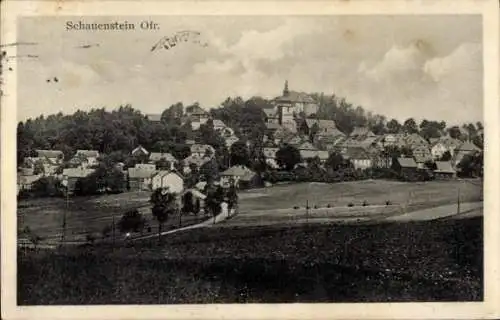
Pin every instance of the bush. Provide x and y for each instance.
(328, 206)
(365, 203)
(388, 203)
(315, 207)
(296, 207)
(350, 204)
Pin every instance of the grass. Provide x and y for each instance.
(373, 191)
(87, 215)
(415, 261)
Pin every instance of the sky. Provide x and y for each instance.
(398, 66)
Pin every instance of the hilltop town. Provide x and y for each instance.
(295, 136)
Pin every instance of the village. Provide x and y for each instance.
(291, 144)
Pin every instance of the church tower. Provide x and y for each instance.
(285, 90)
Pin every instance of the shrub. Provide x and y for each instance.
(365, 203)
(315, 207)
(388, 203)
(296, 207)
(328, 206)
(350, 204)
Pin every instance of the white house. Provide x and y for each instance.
(167, 179)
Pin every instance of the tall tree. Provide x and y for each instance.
(287, 157)
(410, 126)
(163, 206)
(239, 154)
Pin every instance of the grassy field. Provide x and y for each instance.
(287, 203)
(87, 215)
(414, 261)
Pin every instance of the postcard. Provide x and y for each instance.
(250, 159)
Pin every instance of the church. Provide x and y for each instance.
(289, 105)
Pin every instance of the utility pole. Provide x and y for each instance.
(63, 235)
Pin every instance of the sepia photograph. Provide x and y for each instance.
(282, 158)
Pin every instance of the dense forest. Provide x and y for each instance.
(119, 131)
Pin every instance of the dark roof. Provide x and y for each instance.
(468, 146)
(49, 153)
(356, 153)
(361, 131)
(88, 153)
(294, 96)
(154, 117)
(444, 167)
(140, 173)
(407, 162)
(195, 110)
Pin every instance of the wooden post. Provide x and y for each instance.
(458, 201)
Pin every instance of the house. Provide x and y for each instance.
(444, 170)
(154, 117)
(361, 132)
(324, 128)
(407, 167)
(307, 150)
(85, 158)
(40, 165)
(202, 149)
(272, 119)
(463, 150)
(421, 154)
(242, 176)
(389, 139)
(25, 182)
(139, 177)
(441, 145)
(359, 158)
(170, 180)
(194, 160)
(297, 102)
(140, 151)
(295, 140)
(219, 125)
(229, 141)
(155, 157)
(327, 142)
(72, 175)
(197, 116)
(55, 157)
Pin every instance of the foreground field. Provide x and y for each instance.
(414, 261)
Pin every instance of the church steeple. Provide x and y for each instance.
(285, 90)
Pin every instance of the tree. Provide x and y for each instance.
(239, 154)
(335, 161)
(187, 203)
(455, 132)
(313, 132)
(446, 156)
(131, 221)
(410, 126)
(215, 196)
(394, 126)
(38, 167)
(430, 129)
(232, 196)
(287, 157)
(163, 206)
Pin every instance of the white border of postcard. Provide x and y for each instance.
(489, 309)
